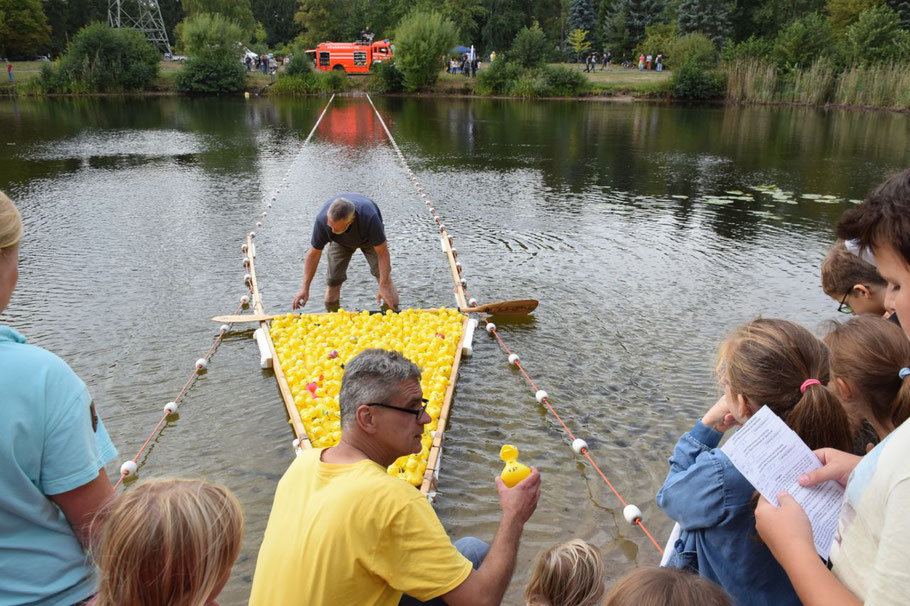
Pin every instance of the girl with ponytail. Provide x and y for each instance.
(766, 362)
(867, 355)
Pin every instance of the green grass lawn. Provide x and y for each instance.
(24, 71)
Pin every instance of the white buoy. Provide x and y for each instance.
(455, 253)
(258, 223)
(541, 395)
(201, 364)
(224, 328)
(246, 261)
(579, 446)
(171, 407)
(244, 248)
(265, 213)
(295, 443)
(252, 234)
(128, 468)
(468, 348)
(472, 302)
(269, 205)
(245, 300)
(442, 228)
(513, 358)
(490, 327)
(464, 283)
(247, 278)
(631, 513)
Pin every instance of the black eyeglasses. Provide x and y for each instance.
(417, 412)
(845, 307)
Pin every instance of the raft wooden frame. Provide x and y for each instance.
(431, 475)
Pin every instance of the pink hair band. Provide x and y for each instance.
(807, 383)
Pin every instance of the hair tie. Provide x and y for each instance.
(903, 373)
(808, 382)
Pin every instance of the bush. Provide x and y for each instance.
(300, 64)
(565, 82)
(332, 82)
(803, 42)
(693, 48)
(877, 37)
(211, 41)
(530, 48)
(103, 59)
(386, 78)
(294, 85)
(659, 38)
(692, 81)
(498, 79)
(421, 38)
(750, 48)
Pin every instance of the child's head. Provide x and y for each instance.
(867, 355)
(768, 362)
(568, 574)
(168, 543)
(882, 224)
(853, 282)
(665, 587)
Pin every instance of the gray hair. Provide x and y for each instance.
(340, 209)
(373, 375)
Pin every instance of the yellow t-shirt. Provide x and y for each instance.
(343, 534)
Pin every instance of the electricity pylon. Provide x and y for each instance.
(144, 15)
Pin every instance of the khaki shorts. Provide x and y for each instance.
(338, 258)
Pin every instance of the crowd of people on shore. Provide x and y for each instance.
(343, 531)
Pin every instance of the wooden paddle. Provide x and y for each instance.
(522, 307)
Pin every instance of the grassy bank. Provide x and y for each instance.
(881, 86)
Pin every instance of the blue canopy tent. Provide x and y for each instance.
(460, 50)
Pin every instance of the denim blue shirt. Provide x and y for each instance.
(711, 501)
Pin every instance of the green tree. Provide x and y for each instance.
(67, 17)
(708, 17)
(659, 38)
(902, 8)
(877, 36)
(639, 15)
(104, 59)
(319, 21)
(277, 16)
(211, 41)
(530, 48)
(578, 41)
(695, 49)
(581, 15)
(235, 11)
(465, 14)
(421, 39)
(503, 20)
(844, 13)
(804, 41)
(616, 32)
(23, 28)
(771, 16)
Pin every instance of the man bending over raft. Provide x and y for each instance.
(343, 531)
(345, 223)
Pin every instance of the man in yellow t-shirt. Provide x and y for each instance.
(344, 532)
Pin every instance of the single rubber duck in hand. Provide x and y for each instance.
(514, 472)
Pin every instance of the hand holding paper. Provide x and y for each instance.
(772, 457)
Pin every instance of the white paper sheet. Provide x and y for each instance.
(771, 456)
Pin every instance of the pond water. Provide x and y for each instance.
(616, 216)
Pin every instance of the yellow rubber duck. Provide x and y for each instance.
(514, 472)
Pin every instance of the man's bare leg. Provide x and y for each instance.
(332, 298)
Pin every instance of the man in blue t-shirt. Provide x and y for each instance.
(345, 223)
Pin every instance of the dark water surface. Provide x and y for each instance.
(135, 211)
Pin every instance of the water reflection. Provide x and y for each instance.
(135, 210)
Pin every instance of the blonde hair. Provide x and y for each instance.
(568, 574)
(665, 587)
(10, 223)
(868, 353)
(168, 543)
(767, 361)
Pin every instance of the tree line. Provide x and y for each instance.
(31, 27)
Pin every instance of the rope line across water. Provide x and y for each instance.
(541, 395)
(130, 466)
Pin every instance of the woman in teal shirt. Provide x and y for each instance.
(52, 451)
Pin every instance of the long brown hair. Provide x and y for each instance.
(168, 543)
(868, 353)
(767, 361)
(665, 587)
(567, 574)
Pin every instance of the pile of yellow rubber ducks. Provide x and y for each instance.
(312, 350)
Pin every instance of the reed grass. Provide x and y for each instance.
(885, 85)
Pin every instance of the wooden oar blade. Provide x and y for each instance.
(504, 308)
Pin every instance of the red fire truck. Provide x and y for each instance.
(350, 57)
